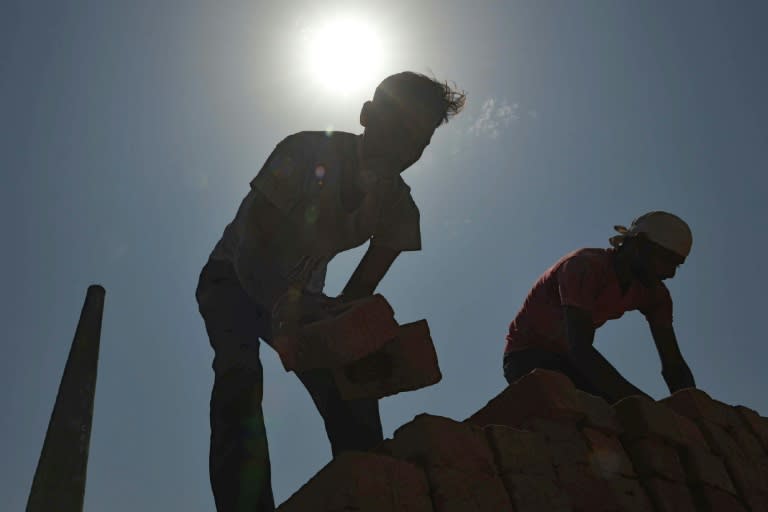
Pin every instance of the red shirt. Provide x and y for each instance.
(585, 279)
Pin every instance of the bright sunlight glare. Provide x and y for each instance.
(344, 55)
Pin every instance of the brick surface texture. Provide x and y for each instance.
(542, 445)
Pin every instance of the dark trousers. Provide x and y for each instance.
(521, 362)
(239, 456)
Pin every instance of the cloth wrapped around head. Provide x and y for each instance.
(665, 229)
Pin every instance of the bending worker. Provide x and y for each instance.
(318, 194)
(555, 327)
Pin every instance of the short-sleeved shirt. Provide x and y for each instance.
(585, 279)
(302, 179)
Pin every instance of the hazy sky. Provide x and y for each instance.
(129, 132)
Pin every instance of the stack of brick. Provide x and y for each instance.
(457, 460)
(363, 482)
(737, 451)
(581, 435)
(542, 445)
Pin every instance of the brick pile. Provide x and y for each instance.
(543, 445)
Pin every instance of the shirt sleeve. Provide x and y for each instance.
(658, 312)
(579, 283)
(280, 179)
(399, 227)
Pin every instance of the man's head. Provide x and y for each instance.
(656, 244)
(404, 113)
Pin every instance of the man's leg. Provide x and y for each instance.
(519, 363)
(350, 424)
(239, 457)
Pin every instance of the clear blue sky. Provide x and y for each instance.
(129, 132)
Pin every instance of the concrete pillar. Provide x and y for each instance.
(59, 482)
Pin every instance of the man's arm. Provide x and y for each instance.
(369, 272)
(674, 369)
(588, 361)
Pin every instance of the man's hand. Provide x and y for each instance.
(675, 370)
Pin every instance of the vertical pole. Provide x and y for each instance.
(59, 482)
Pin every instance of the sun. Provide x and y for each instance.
(344, 54)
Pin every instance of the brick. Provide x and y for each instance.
(702, 467)
(696, 404)
(757, 424)
(587, 492)
(520, 452)
(690, 433)
(630, 495)
(749, 477)
(719, 440)
(435, 441)
(607, 456)
(756, 502)
(553, 430)
(406, 363)
(566, 444)
(748, 442)
(710, 499)
(362, 328)
(653, 458)
(642, 417)
(531, 493)
(669, 496)
(598, 413)
(539, 394)
(460, 491)
(363, 481)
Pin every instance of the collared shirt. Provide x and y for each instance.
(585, 279)
(302, 179)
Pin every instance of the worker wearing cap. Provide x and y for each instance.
(556, 325)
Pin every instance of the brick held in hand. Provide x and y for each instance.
(536, 493)
(363, 481)
(669, 496)
(654, 458)
(539, 394)
(406, 363)
(641, 417)
(360, 329)
(520, 452)
(436, 441)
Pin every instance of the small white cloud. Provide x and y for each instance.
(494, 117)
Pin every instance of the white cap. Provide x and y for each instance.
(664, 228)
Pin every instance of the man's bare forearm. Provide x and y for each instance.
(369, 273)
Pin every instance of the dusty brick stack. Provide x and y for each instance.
(542, 445)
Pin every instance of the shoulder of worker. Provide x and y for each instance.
(586, 259)
(296, 159)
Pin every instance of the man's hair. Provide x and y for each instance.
(446, 100)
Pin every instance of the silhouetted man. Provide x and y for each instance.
(555, 327)
(318, 194)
